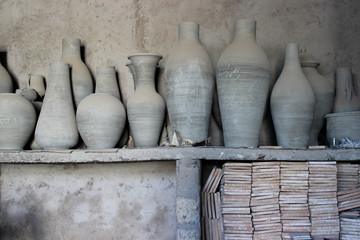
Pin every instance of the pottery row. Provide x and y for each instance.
(299, 100)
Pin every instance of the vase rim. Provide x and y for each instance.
(343, 114)
(71, 38)
(189, 22)
(145, 54)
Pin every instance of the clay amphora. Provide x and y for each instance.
(292, 103)
(56, 127)
(17, 121)
(145, 108)
(36, 82)
(243, 79)
(100, 118)
(345, 98)
(106, 81)
(189, 85)
(324, 95)
(6, 84)
(82, 84)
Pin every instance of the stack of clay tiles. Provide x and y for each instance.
(348, 176)
(294, 208)
(236, 192)
(265, 200)
(324, 213)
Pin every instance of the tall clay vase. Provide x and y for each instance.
(17, 121)
(82, 84)
(145, 108)
(101, 116)
(324, 95)
(243, 79)
(56, 126)
(345, 98)
(6, 84)
(292, 103)
(189, 85)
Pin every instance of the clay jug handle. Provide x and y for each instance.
(348, 90)
(28, 81)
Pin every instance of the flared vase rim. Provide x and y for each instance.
(145, 55)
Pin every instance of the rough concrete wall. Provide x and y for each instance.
(101, 201)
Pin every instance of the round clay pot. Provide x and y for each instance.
(243, 79)
(189, 84)
(343, 125)
(17, 121)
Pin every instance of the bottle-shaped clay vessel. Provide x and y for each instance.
(292, 103)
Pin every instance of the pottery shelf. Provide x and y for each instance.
(171, 153)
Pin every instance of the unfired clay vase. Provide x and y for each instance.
(145, 108)
(292, 103)
(324, 95)
(82, 84)
(6, 84)
(36, 81)
(343, 125)
(106, 81)
(345, 98)
(17, 121)
(242, 78)
(100, 118)
(189, 85)
(56, 127)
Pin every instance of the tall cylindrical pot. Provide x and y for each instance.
(145, 108)
(6, 84)
(82, 84)
(292, 103)
(345, 98)
(324, 95)
(56, 127)
(189, 85)
(343, 125)
(243, 79)
(17, 121)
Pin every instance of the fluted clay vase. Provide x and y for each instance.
(345, 98)
(56, 127)
(243, 79)
(189, 85)
(6, 84)
(100, 119)
(106, 81)
(324, 95)
(36, 81)
(145, 108)
(292, 103)
(82, 84)
(17, 121)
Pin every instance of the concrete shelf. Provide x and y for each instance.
(176, 153)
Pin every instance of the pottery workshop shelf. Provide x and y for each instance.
(168, 154)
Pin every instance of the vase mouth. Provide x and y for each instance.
(144, 55)
(189, 23)
(348, 69)
(307, 60)
(343, 114)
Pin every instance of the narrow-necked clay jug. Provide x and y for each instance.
(243, 79)
(345, 98)
(101, 116)
(17, 121)
(324, 95)
(82, 84)
(189, 85)
(6, 84)
(145, 108)
(292, 103)
(56, 127)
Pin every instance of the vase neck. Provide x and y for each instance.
(105, 77)
(145, 68)
(292, 59)
(343, 80)
(188, 31)
(245, 29)
(70, 47)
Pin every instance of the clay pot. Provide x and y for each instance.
(56, 127)
(106, 81)
(36, 82)
(189, 84)
(292, 103)
(82, 84)
(145, 108)
(324, 95)
(6, 84)
(100, 118)
(17, 121)
(243, 79)
(343, 125)
(345, 98)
